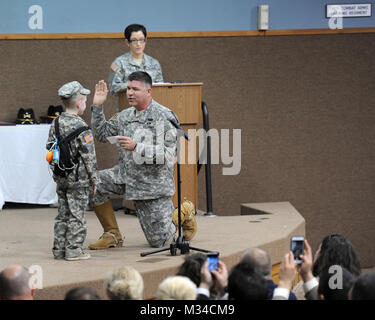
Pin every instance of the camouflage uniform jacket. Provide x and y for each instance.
(124, 65)
(147, 171)
(86, 173)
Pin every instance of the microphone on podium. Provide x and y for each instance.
(173, 119)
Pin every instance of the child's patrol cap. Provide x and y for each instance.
(70, 89)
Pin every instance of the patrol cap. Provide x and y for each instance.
(71, 88)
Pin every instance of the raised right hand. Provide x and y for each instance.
(101, 92)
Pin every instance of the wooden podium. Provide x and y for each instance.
(185, 99)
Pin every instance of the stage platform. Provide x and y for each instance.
(26, 233)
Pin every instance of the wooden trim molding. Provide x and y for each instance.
(319, 31)
(275, 275)
(45, 36)
(188, 34)
(202, 34)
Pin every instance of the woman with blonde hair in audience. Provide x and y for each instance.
(124, 284)
(177, 288)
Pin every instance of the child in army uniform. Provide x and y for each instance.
(74, 188)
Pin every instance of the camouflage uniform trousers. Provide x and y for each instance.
(70, 224)
(154, 215)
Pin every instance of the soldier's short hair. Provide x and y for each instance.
(141, 76)
(134, 28)
(72, 101)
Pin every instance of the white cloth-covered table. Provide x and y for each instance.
(24, 173)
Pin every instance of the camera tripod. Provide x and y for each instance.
(179, 243)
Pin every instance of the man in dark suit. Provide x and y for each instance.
(261, 260)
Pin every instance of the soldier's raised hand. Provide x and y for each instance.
(101, 92)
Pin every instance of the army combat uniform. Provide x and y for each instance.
(124, 65)
(145, 175)
(73, 190)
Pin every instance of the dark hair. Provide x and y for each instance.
(247, 283)
(192, 266)
(364, 287)
(141, 76)
(82, 293)
(336, 249)
(134, 28)
(334, 284)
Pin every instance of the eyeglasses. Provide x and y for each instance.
(137, 41)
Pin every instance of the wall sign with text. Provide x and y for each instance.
(348, 10)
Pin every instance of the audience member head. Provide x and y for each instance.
(177, 288)
(82, 293)
(124, 284)
(245, 282)
(259, 259)
(335, 283)
(363, 288)
(192, 266)
(14, 284)
(335, 249)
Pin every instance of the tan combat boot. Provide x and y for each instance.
(188, 220)
(111, 236)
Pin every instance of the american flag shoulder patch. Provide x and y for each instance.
(114, 67)
(89, 138)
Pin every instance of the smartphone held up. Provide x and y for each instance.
(297, 246)
(212, 260)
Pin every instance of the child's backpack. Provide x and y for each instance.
(64, 161)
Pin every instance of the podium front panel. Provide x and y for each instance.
(184, 99)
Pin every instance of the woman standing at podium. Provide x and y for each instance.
(134, 60)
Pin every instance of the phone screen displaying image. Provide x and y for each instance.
(212, 259)
(297, 246)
